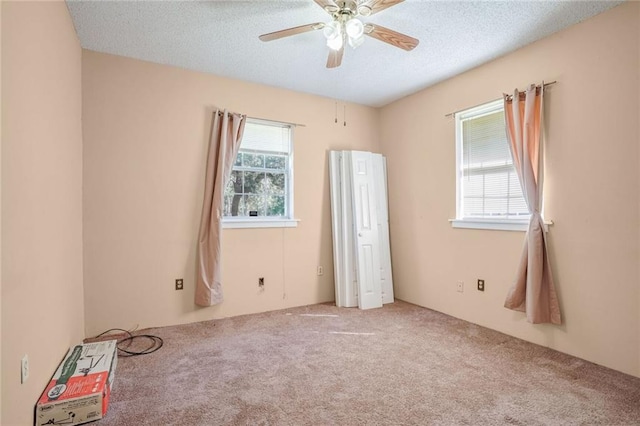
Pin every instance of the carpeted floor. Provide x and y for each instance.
(398, 365)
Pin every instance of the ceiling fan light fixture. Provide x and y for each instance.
(355, 42)
(332, 30)
(354, 28)
(335, 43)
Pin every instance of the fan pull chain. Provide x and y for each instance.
(345, 116)
(336, 112)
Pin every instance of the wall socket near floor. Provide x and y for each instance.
(480, 285)
(320, 270)
(460, 286)
(179, 284)
(24, 369)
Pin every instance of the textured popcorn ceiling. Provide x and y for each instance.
(221, 37)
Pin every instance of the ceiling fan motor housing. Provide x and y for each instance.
(344, 10)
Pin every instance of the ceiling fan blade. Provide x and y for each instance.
(291, 31)
(376, 6)
(394, 38)
(328, 5)
(335, 58)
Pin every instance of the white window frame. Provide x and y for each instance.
(520, 224)
(288, 221)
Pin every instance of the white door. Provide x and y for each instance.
(380, 176)
(344, 263)
(366, 230)
(337, 209)
(350, 255)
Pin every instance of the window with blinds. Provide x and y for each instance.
(261, 179)
(488, 185)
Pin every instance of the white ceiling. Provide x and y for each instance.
(221, 37)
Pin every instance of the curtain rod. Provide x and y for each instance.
(278, 121)
(273, 121)
(455, 112)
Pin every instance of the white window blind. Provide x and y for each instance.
(488, 185)
(266, 137)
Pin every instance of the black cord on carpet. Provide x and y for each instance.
(156, 342)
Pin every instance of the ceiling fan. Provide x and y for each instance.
(345, 27)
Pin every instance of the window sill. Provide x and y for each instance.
(496, 224)
(259, 223)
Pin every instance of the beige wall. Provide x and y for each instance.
(42, 293)
(0, 217)
(592, 193)
(145, 129)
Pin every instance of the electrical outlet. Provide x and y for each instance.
(261, 282)
(320, 270)
(480, 285)
(460, 286)
(179, 284)
(24, 369)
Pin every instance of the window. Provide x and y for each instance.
(260, 189)
(489, 195)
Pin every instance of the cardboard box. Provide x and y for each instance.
(79, 391)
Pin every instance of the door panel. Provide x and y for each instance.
(365, 207)
(351, 273)
(367, 261)
(337, 215)
(366, 235)
(386, 276)
(346, 285)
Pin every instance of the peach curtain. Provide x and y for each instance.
(224, 142)
(533, 290)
